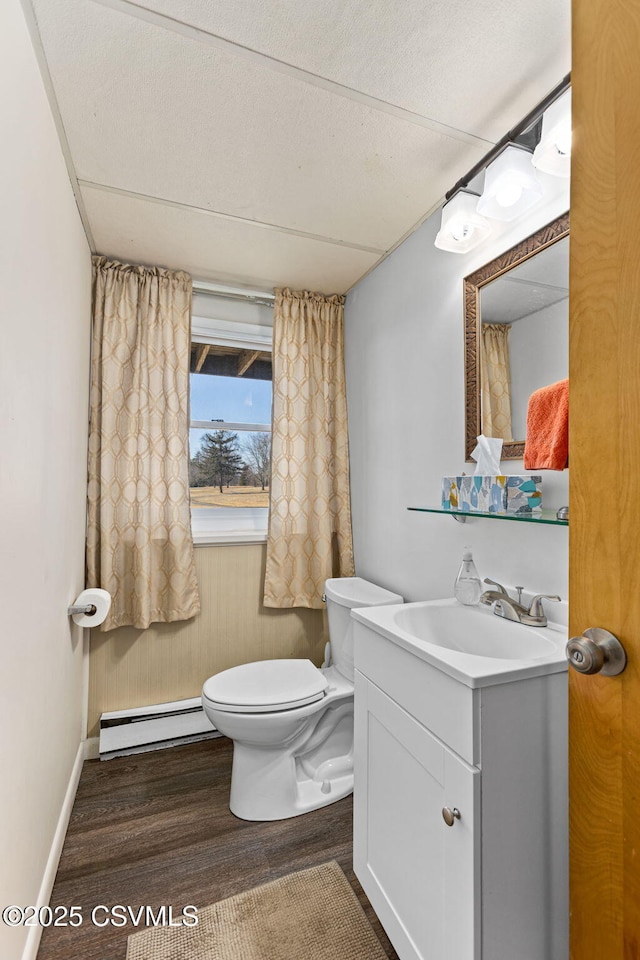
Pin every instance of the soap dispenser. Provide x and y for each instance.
(467, 588)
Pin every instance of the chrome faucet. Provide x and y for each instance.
(505, 606)
(489, 596)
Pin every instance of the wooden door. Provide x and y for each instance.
(605, 476)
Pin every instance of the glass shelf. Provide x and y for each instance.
(542, 516)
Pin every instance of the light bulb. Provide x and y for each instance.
(563, 141)
(461, 230)
(461, 227)
(553, 153)
(508, 194)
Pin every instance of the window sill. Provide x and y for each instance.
(219, 525)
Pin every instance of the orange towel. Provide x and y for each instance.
(547, 443)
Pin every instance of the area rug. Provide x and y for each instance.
(310, 915)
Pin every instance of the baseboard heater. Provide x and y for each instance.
(154, 727)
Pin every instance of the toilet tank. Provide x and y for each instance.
(343, 594)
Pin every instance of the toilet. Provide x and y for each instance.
(291, 722)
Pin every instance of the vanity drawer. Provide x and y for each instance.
(443, 705)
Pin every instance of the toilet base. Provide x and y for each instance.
(310, 795)
(275, 784)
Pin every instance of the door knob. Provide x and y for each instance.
(596, 651)
(450, 815)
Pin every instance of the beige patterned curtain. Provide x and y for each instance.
(495, 386)
(310, 515)
(139, 544)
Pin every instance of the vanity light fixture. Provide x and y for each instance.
(511, 184)
(462, 228)
(553, 153)
(510, 178)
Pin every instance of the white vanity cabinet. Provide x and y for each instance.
(494, 885)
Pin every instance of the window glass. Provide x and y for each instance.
(234, 399)
(229, 461)
(229, 468)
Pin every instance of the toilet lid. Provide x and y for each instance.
(266, 686)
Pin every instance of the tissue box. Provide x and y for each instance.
(507, 494)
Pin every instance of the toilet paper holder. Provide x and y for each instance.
(91, 607)
(88, 609)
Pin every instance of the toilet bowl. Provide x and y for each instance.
(291, 722)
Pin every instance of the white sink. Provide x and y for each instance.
(461, 628)
(469, 643)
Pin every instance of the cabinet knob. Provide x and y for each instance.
(450, 815)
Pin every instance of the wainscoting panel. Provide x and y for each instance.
(169, 661)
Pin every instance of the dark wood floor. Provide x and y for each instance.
(155, 829)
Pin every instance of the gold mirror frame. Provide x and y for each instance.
(473, 284)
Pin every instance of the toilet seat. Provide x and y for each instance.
(266, 686)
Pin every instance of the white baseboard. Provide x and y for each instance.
(91, 748)
(33, 939)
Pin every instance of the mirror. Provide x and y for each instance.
(516, 334)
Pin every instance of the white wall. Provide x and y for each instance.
(538, 355)
(405, 382)
(44, 362)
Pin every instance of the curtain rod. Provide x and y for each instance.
(233, 293)
(532, 117)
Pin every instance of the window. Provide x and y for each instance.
(230, 435)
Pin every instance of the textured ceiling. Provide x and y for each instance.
(537, 283)
(285, 142)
